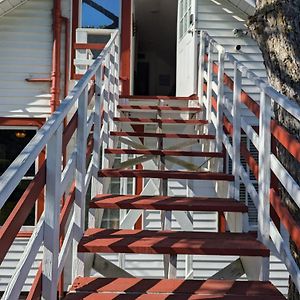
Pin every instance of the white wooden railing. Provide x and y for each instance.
(211, 85)
(104, 73)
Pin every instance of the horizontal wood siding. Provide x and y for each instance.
(26, 52)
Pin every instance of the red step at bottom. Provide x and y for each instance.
(98, 240)
(137, 288)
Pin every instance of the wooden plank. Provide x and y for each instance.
(163, 135)
(165, 174)
(158, 108)
(170, 242)
(161, 121)
(129, 296)
(167, 203)
(92, 46)
(164, 152)
(178, 286)
(147, 98)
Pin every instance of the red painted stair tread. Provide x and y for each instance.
(158, 108)
(170, 242)
(166, 288)
(165, 174)
(163, 135)
(164, 152)
(163, 121)
(168, 203)
(156, 98)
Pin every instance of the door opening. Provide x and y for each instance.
(155, 47)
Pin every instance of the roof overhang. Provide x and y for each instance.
(246, 6)
(7, 6)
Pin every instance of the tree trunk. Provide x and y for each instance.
(276, 27)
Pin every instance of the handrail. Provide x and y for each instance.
(221, 108)
(288, 104)
(16, 171)
(76, 172)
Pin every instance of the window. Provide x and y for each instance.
(12, 142)
(185, 16)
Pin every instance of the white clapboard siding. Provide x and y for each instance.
(26, 52)
(219, 19)
(11, 260)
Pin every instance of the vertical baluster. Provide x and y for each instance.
(52, 211)
(106, 159)
(96, 214)
(80, 193)
(111, 93)
(264, 177)
(201, 67)
(236, 131)
(209, 81)
(220, 108)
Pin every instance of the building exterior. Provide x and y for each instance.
(42, 56)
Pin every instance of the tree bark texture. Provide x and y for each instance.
(276, 28)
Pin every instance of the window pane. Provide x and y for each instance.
(12, 142)
(13, 200)
(96, 19)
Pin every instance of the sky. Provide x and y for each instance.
(92, 17)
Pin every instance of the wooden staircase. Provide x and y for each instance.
(163, 113)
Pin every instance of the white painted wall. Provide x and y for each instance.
(26, 52)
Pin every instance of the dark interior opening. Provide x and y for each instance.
(155, 47)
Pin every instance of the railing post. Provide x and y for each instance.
(52, 211)
(236, 138)
(107, 140)
(209, 81)
(201, 67)
(96, 214)
(80, 193)
(264, 177)
(220, 108)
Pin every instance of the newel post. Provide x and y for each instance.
(52, 211)
(264, 177)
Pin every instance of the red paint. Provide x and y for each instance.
(97, 240)
(139, 98)
(75, 25)
(167, 203)
(36, 288)
(211, 289)
(125, 63)
(55, 74)
(164, 135)
(91, 46)
(67, 54)
(164, 152)
(34, 122)
(165, 174)
(166, 121)
(221, 222)
(158, 108)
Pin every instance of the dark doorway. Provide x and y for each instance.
(155, 47)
